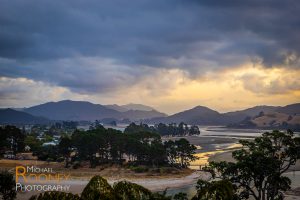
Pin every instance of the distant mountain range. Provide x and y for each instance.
(259, 116)
(290, 109)
(199, 115)
(81, 110)
(274, 116)
(10, 116)
(72, 110)
(250, 112)
(130, 106)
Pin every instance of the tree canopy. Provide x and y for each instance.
(11, 138)
(173, 129)
(101, 145)
(259, 167)
(7, 186)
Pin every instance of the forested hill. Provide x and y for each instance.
(10, 116)
(67, 110)
(82, 110)
(255, 117)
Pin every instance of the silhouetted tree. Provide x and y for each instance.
(171, 152)
(127, 191)
(215, 190)
(97, 188)
(180, 196)
(12, 138)
(173, 129)
(7, 186)
(64, 148)
(260, 165)
(185, 152)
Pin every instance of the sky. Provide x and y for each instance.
(169, 54)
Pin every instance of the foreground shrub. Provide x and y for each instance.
(55, 196)
(127, 191)
(140, 169)
(7, 186)
(97, 188)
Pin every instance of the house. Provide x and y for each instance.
(9, 155)
(27, 148)
(49, 144)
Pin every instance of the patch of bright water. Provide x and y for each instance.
(204, 156)
(202, 159)
(223, 131)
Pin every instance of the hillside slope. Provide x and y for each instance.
(10, 116)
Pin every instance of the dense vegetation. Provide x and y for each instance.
(11, 138)
(138, 145)
(172, 129)
(7, 186)
(101, 146)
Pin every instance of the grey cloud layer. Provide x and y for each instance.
(111, 44)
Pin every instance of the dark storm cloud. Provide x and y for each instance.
(60, 41)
